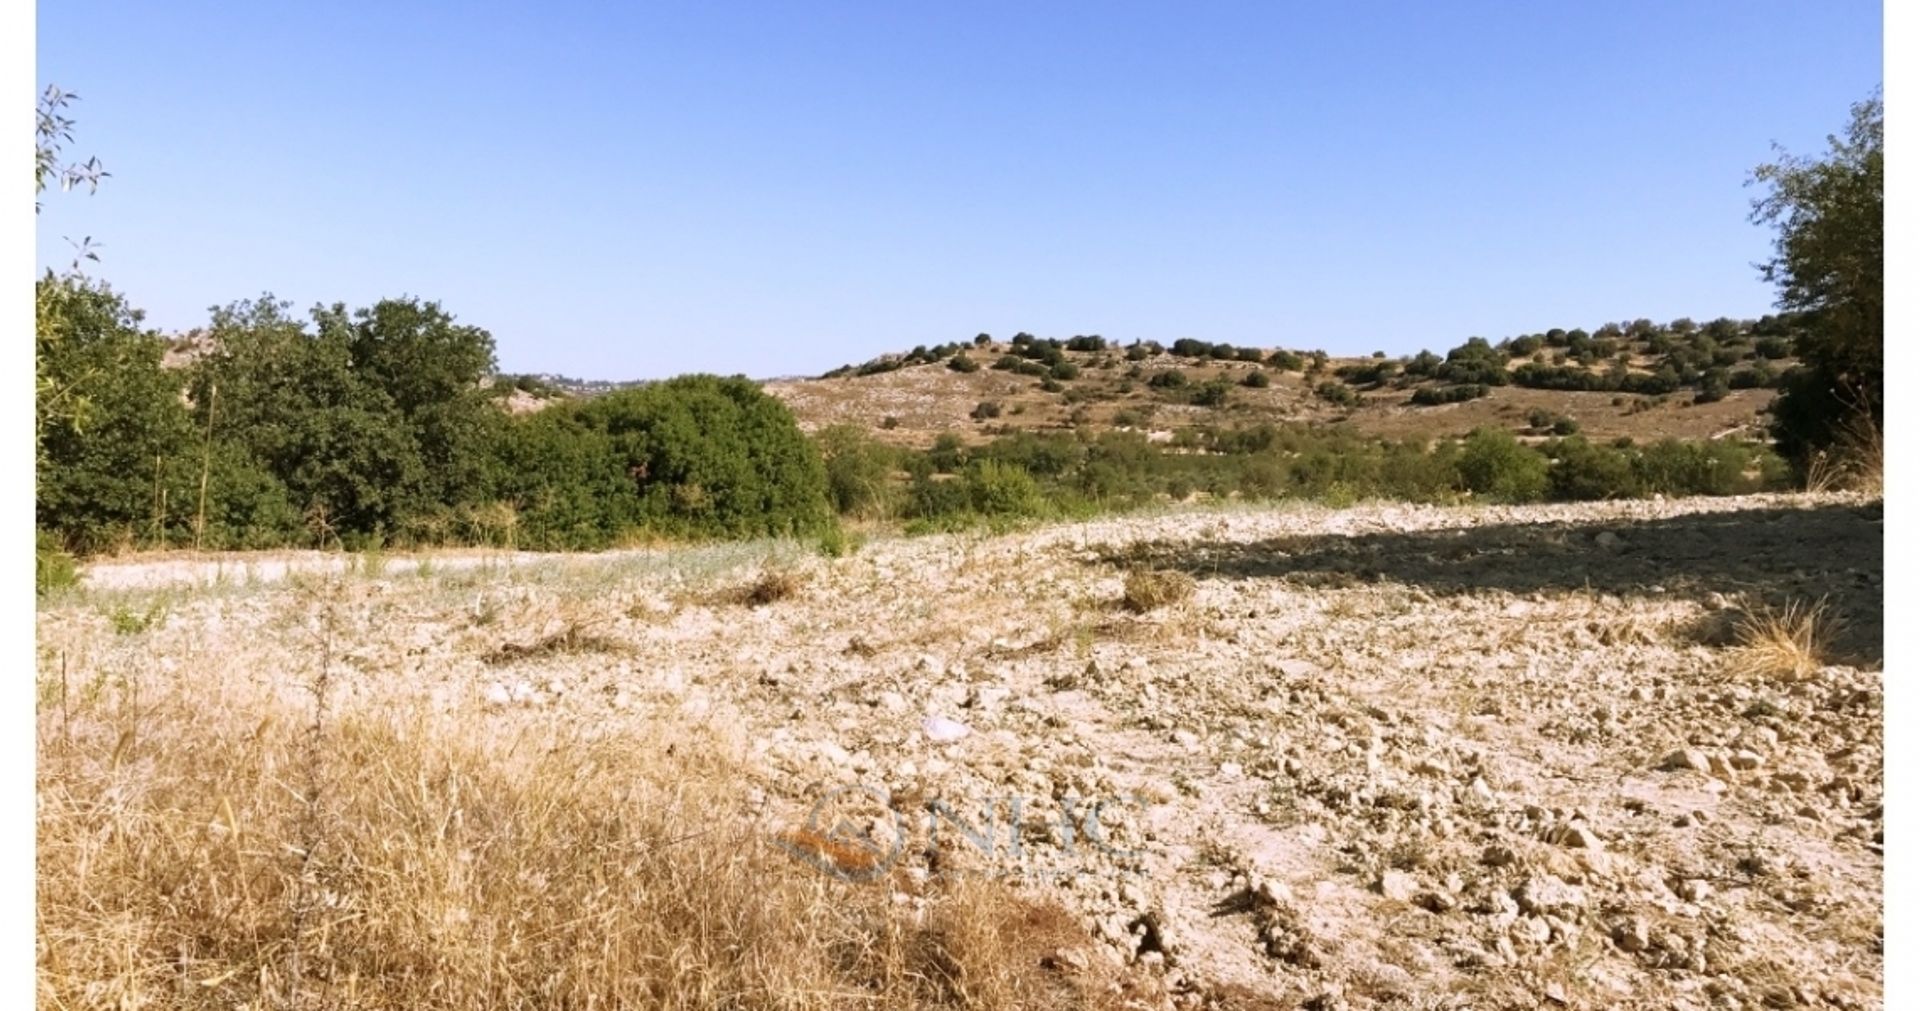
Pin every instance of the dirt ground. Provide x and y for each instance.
(1381, 757)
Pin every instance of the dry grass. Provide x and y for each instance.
(1854, 463)
(1791, 642)
(1152, 589)
(770, 586)
(328, 842)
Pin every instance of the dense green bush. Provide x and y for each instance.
(859, 471)
(714, 457)
(961, 363)
(1256, 380)
(1492, 463)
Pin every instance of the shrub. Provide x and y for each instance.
(715, 457)
(1566, 425)
(1582, 471)
(1064, 371)
(1168, 379)
(1432, 395)
(859, 471)
(985, 409)
(1137, 352)
(1256, 380)
(1714, 384)
(1286, 361)
(996, 488)
(1338, 394)
(1539, 418)
(1672, 467)
(962, 363)
(1212, 393)
(1492, 463)
(1151, 589)
(53, 568)
(982, 340)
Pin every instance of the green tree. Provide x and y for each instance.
(1828, 267)
(102, 471)
(715, 457)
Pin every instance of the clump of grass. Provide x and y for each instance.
(771, 586)
(1791, 642)
(453, 861)
(1152, 589)
(53, 568)
(570, 633)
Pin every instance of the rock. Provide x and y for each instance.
(1687, 759)
(1295, 668)
(1719, 766)
(941, 730)
(1631, 935)
(1433, 767)
(1577, 835)
(1272, 892)
(1745, 761)
(1397, 885)
(1544, 893)
(1186, 739)
(1066, 960)
(1694, 890)
(1231, 770)
(892, 702)
(1498, 856)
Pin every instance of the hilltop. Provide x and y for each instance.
(1635, 379)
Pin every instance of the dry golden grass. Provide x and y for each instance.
(1854, 462)
(1152, 589)
(770, 586)
(1791, 642)
(315, 843)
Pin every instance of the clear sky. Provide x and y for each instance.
(631, 190)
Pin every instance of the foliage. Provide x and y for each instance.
(1492, 463)
(53, 568)
(714, 457)
(1828, 266)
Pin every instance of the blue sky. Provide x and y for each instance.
(637, 190)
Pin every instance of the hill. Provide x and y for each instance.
(1638, 380)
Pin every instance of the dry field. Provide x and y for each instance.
(1620, 755)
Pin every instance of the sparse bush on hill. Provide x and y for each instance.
(1256, 380)
(962, 363)
(984, 410)
(1433, 395)
(1338, 394)
(1286, 361)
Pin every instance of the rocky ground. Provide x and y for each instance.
(1388, 756)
